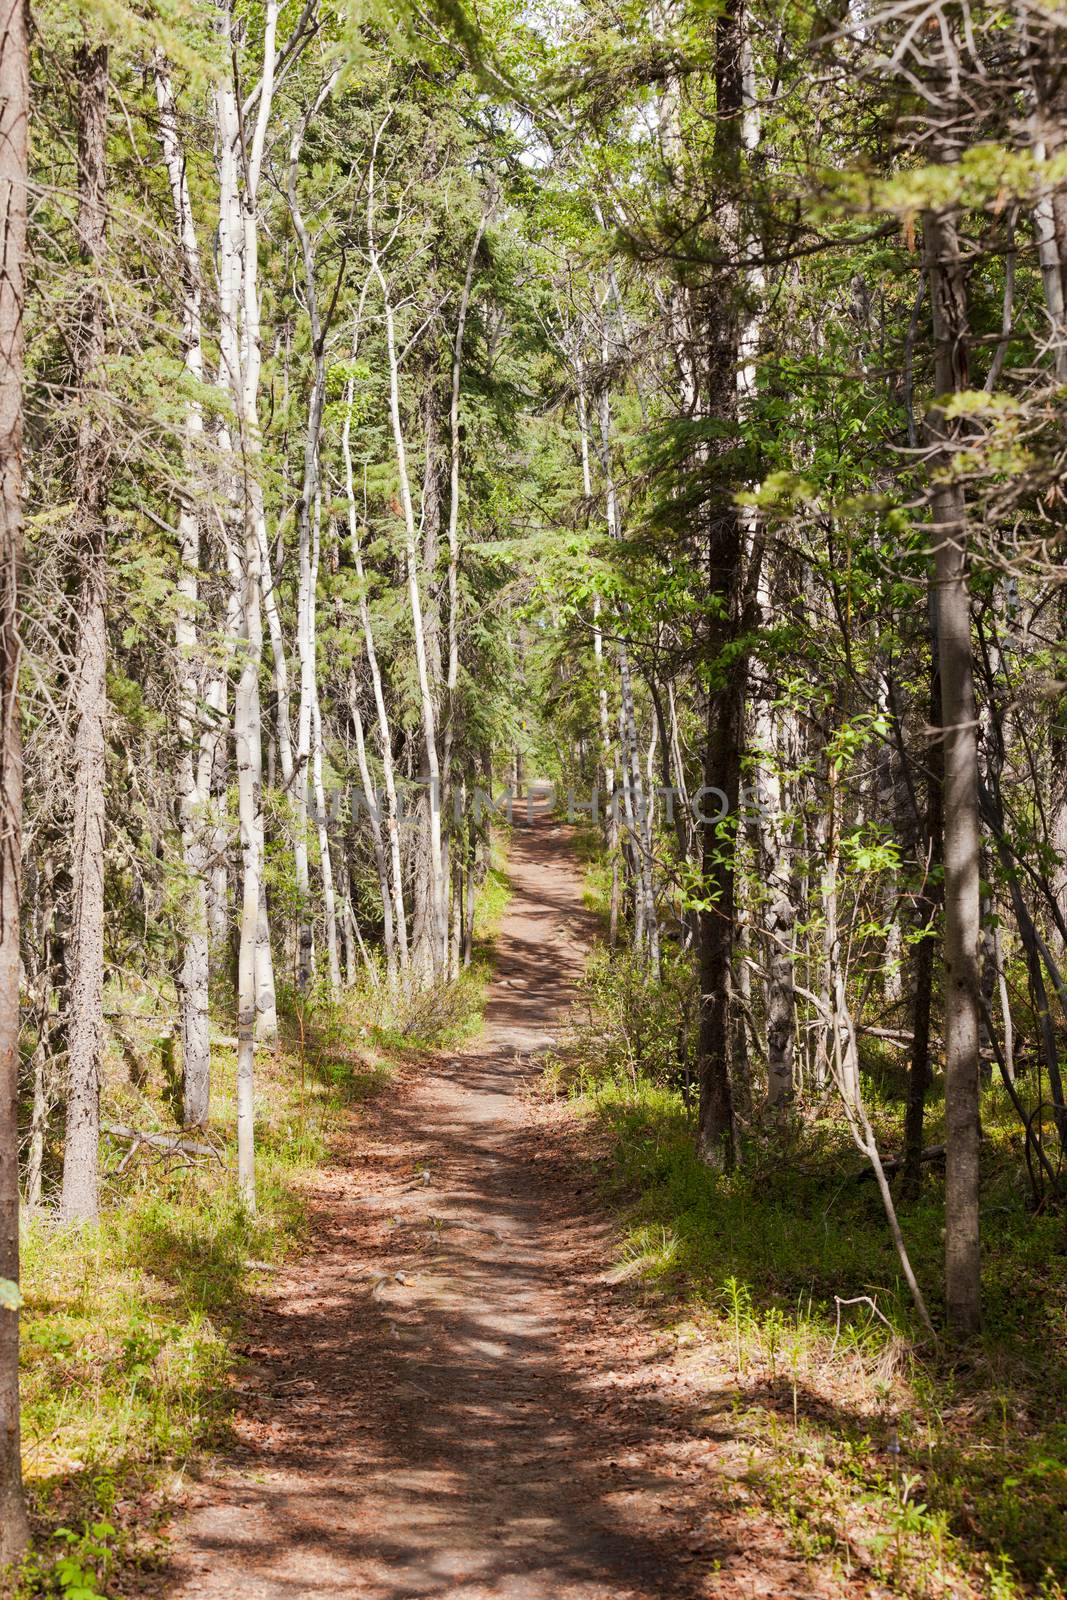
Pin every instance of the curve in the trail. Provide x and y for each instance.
(450, 1398)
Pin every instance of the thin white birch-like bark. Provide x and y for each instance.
(329, 897)
(197, 750)
(452, 670)
(384, 731)
(256, 1009)
(429, 715)
(306, 586)
(377, 838)
(646, 922)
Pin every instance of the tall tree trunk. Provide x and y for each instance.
(239, 217)
(715, 1127)
(775, 847)
(14, 118)
(429, 716)
(329, 894)
(1057, 804)
(724, 731)
(962, 838)
(606, 767)
(455, 452)
(377, 838)
(306, 586)
(251, 357)
(639, 812)
(80, 1197)
(197, 750)
(392, 813)
(926, 913)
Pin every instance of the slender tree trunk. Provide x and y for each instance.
(251, 355)
(322, 826)
(256, 1011)
(455, 453)
(392, 815)
(962, 837)
(14, 118)
(1057, 803)
(377, 838)
(774, 844)
(429, 717)
(80, 1197)
(639, 812)
(926, 918)
(329, 896)
(196, 750)
(306, 587)
(469, 901)
(606, 774)
(716, 1136)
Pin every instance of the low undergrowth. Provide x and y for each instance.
(923, 1470)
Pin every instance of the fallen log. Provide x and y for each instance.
(160, 1141)
(893, 1164)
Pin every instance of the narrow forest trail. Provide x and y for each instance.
(449, 1395)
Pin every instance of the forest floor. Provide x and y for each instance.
(450, 1392)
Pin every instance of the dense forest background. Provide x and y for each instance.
(666, 402)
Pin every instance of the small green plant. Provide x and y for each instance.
(78, 1569)
(738, 1301)
(773, 1331)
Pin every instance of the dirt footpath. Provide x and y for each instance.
(449, 1396)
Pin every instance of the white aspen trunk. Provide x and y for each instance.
(196, 752)
(384, 732)
(468, 907)
(242, 536)
(455, 947)
(38, 1129)
(1047, 131)
(774, 839)
(287, 759)
(832, 979)
(255, 519)
(80, 1196)
(606, 762)
(228, 378)
(452, 669)
(611, 820)
(377, 839)
(14, 189)
(348, 918)
(778, 917)
(646, 922)
(429, 717)
(305, 624)
(774, 827)
(329, 897)
(1005, 1006)
(247, 747)
(681, 788)
(240, 356)
(306, 584)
